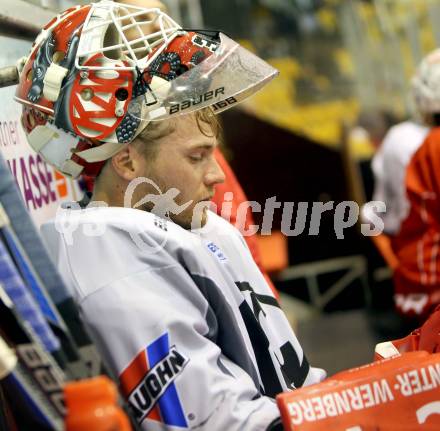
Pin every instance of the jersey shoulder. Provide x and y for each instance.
(404, 138)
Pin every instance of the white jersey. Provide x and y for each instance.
(183, 318)
(389, 169)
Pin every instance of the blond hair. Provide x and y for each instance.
(146, 141)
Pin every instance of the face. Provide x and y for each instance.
(184, 161)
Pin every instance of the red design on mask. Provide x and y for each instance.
(103, 92)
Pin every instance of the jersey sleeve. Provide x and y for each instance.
(152, 327)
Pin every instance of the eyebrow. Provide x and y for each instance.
(204, 146)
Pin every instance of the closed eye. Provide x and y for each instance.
(200, 153)
(196, 157)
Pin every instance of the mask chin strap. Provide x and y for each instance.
(71, 168)
(56, 147)
(101, 152)
(61, 149)
(53, 80)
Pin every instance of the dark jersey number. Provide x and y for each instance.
(294, 372)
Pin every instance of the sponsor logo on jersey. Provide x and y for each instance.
(149, 383)
(215, 249)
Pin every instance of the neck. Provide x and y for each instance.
(113, 197)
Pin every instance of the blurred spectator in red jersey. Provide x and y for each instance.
(417, 276)
(417, 242)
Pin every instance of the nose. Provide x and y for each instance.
(214, 174)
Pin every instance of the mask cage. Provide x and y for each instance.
(121, 19)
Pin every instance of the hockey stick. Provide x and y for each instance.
(21, 231)
(35, 382)
(26, 305)
(38, 309)
(8, 76)
(25, 393)
(29, 276)
(30, 376)
(39, 384)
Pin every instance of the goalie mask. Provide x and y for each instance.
(98, 74)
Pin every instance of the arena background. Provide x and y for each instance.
(299, 139)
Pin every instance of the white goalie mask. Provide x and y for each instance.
(98, 74)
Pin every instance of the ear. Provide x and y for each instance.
(127, 163)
